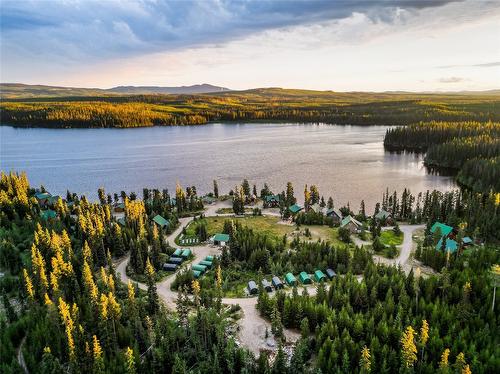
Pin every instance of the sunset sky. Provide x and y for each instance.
(326, 45)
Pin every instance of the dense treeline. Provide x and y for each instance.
(266, 104)
(466, 147)
(451, 319)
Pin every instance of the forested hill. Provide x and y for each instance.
(88, 109)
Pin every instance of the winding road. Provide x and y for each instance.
(252, 327)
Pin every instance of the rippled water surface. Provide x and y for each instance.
(346, 162)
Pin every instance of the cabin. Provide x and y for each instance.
(449, 246)
(290, 279)
(200, 268)
(119, 208)
(186, 253)
(305, 278)
(272, 201)
(208, 264)
(209, 258)
(196, 274)
(252, 288)
(466, 241)
(221, 239)
(319, 276)
(316, 208)
(444, 229)
(277, 283)
(295, 208)
(177, 252)
(52, 200)
(121, 221)
(48, 214)
(42, 198)
(170, 267)
(330, 273)
(175, 260)
(352, 224)
(334, 214)
(267, 285)
(160, 221)
(384, 217)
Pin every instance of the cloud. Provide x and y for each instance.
(451, 80)
(97, 30)
(481, 65)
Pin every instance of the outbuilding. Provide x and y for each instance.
(290, 279)
(305, 278)
(170, 267)
(295, 208)
(178, 252)
(334, 214)
(186, 253)
(352, 224)
(160, 221)
(267, 285)
(208, 264)
(319, 276)
(175, 260)
(221, 239)
(252, 288)
(200, 268)
(277, 283)
(196, 274)
(330, 273)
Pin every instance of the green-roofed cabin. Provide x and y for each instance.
(186, 253)
(444, 229)
(208, 264)
(177, 252)
(52, 200)
(208, 199)
(295, 208)
(305, 278)
(272, 201)
(467, 241)
(290, 279)
(334, 214)
(352, 224)
(451, 245)
(319, 276)
(200, 268)
(121, 221)
(209, 258)
(42, 198)
(196, 274)
(48, 214)
(384, 216)
(119, 208)
(160, 221)
(221, 239)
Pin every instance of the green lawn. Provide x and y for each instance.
(389, 238)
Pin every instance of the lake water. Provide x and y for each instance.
(346, 162)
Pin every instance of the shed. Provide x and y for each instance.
(319, 276)
(200, 268)
(209, 258)
(295, 208)
(277, 283)
(178, 252)
(160, 221)
(305, 278)
(467, 241)
(267, 285)
(221, 239)
(175, 260)
(290, 279)
(196, 274)
(170, 267)
(252, 288)
(208, 264)
(186, 253)
(330, 273)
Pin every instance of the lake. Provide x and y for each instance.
(346, 162)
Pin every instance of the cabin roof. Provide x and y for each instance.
(383, 214)
(335, 211)
(160, 220)
(221, 237)
(450, 246)
(295, 208)
(48, 214)
(445, 229)
(348, 219)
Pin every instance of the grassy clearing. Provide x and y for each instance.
(389, 238)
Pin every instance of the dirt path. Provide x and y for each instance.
(252, 327)
(20, 357)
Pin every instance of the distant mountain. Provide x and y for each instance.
(194, 89)
(27, 91)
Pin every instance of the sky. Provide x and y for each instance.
(365, 45)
